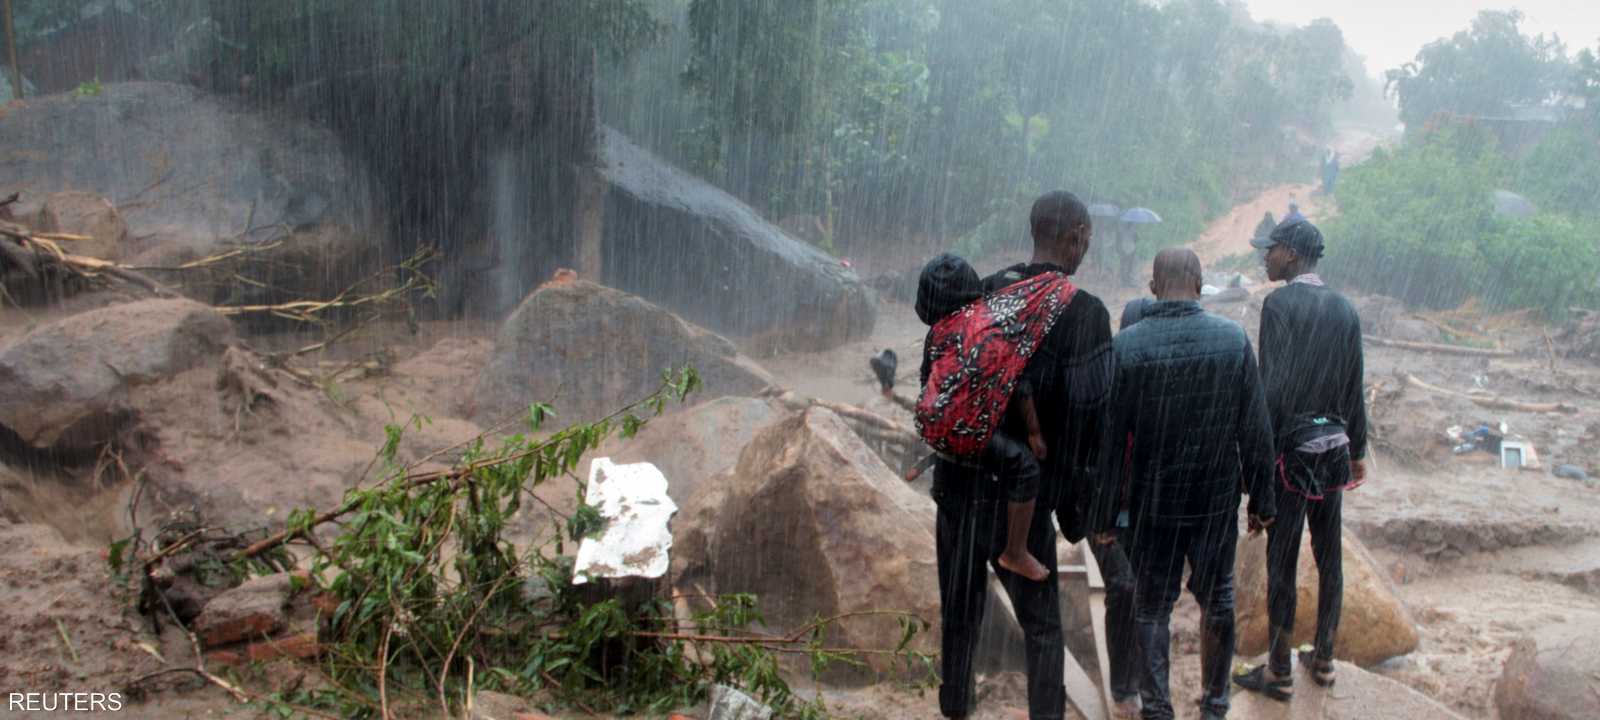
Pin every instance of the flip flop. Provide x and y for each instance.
(1256, 680)
(1321, 670)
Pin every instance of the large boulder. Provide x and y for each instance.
(1554, 674)
(66, 382)
(590, 349)
(695, 443)
(815, 525)
(1374, 626)
(686, 244)
(182, 166)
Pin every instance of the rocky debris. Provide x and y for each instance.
(490, 705)
(1554, 674)
(695, 443)
(67, 382)
(296, 646)
(252, 611)
(1375, 624)
(87, 214)
(689, 246)
(152, 149)
(590, 349)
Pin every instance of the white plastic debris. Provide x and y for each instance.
(633, 502)
(1209, 290)
(731, 704)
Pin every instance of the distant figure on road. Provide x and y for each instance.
(1186, 418)
(1294, 215)
(1312, 367)
(1265, 227)
(1330, 171)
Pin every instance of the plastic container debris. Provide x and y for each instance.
(632, 500)
(1571, 472)
(731, 704)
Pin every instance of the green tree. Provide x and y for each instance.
(1487, 70)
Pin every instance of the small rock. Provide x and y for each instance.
(86, 214)
(252, 610)
(488, 705)
(1571, 472)
(730, 704)
(1551, 675)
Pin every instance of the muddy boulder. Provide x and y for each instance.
(815, 525)
(589, 350)
(1374, 626)
(67, 382)
(1553, 674)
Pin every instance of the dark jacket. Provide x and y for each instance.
(1187, 417)
(1133, 312)
(1311, 360)
(1070, 379)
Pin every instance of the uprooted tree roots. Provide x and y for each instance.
(434, 603)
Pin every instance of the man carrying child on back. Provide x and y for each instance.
(1028, 329)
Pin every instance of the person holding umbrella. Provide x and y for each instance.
(1128, 242)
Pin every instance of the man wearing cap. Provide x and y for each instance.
(1312, 370)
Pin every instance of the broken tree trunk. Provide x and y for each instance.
(1491, 401)
(1436, 347)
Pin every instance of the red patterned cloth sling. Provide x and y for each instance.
(977, 355)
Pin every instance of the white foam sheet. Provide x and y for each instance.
(632, 500)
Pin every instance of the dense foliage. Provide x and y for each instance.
(1419, 222)
(889, 118)
(1490, 70)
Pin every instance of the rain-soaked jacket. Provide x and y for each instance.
(1187, 416)
(1311, 362)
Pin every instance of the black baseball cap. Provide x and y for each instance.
(1301, 236)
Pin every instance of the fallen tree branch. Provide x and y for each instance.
(1437, 347)
(31, 251)
(881, 428)
(1490, 401)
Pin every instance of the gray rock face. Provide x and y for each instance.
(66, 382)
(590, 350)
(691, 247)
(179, 164)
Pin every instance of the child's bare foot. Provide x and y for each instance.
(1036, 444)
(1025, 565)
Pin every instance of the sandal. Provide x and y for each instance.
(1256, 680)
(1321, 670)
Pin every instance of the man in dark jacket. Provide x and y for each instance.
(1186, 415)
(1312, 367)
(1070, 377)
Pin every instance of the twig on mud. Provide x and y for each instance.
(1490, 401)
(1436, 347)
(62, 629)
(181, 543)
(383, 674)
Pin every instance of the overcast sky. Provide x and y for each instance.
(1389, 32)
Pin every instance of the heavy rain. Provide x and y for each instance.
(738, 359)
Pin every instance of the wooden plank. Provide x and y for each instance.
(1081, 691)
(1097, 622)
(1073, 570)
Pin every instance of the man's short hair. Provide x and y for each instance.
(1055, 213)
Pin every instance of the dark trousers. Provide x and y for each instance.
(1122, 635)
(1158, 558)
(971, 530)
(1283, 557)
